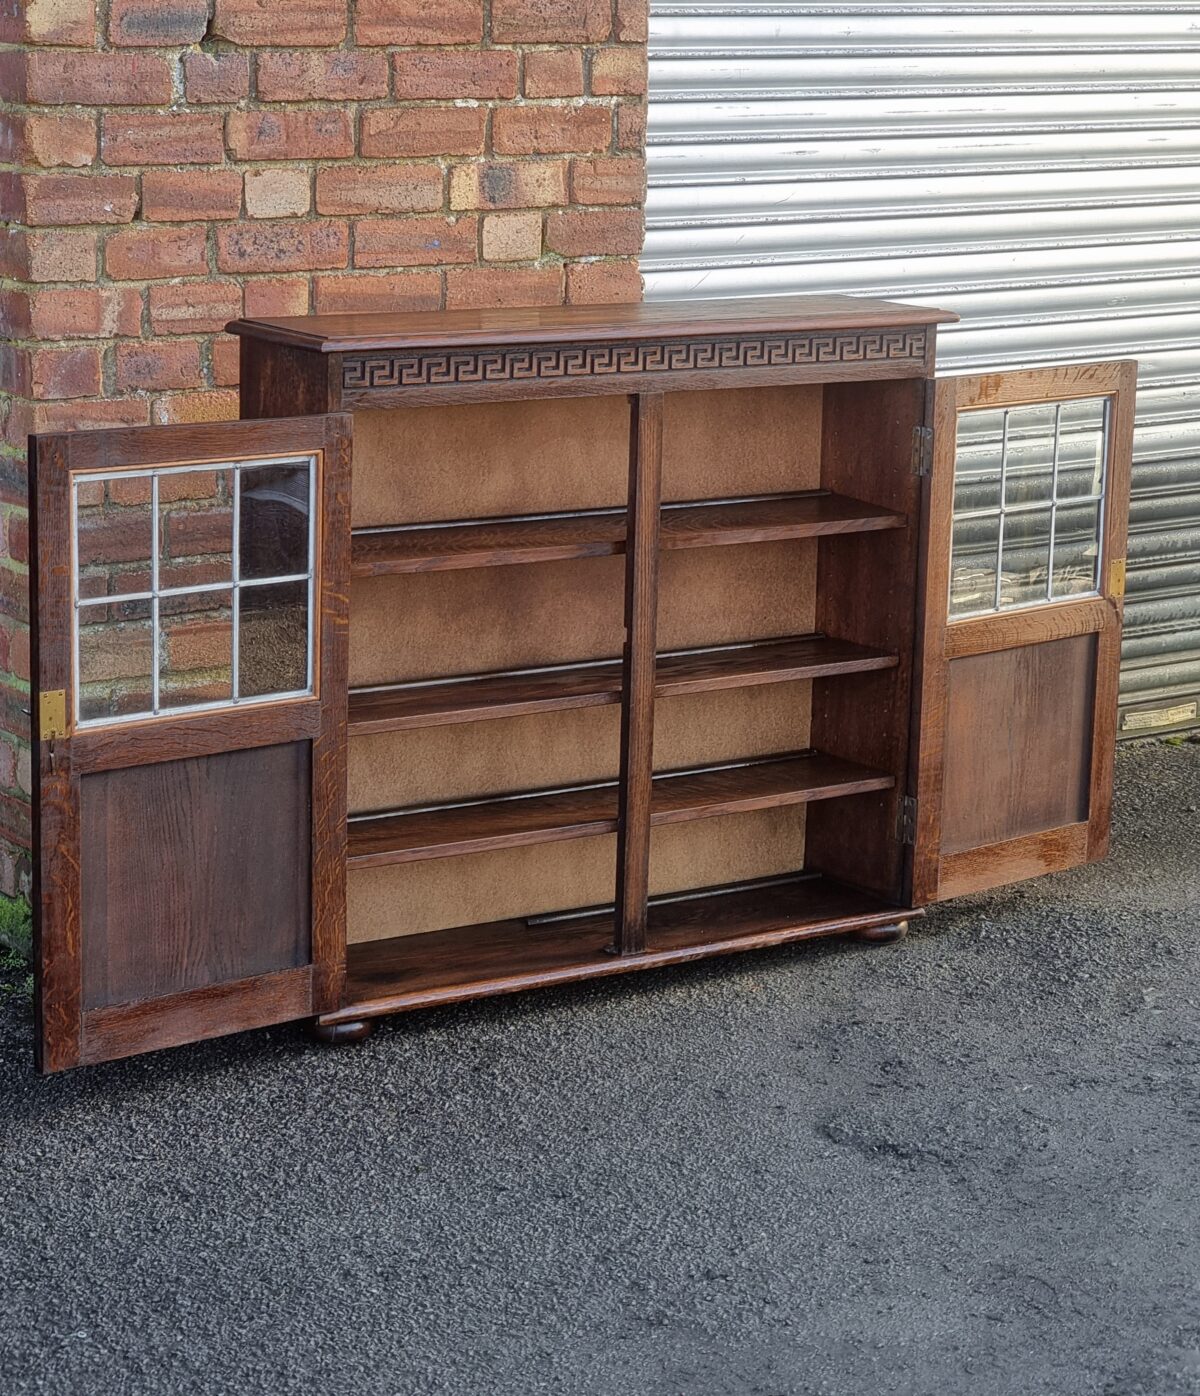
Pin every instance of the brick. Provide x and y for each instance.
(65, 373)
(16, 314)
(283, 246)
(413, 242)
(276, 295)
(550, 21)
(161, 364)
(61, 255)
(454, 76)
(219, 405)
(83, 413)
(180, 196)
(54, 22)
(613, 232)
(400, 131)
(554, 73)
(219, 77)
(633, 21)
(497, 286)
(493, 184)
(619, 180)
(167, 138)
(411, 22)
(157, 23)
(550, 130)
(298, 23)
(97, 79)
(619, 71)
(146, 254)
(195, 307)
(17, 536)
(224, 357)
(405, 291)
(342, 76)
(631, 126)
(53, 200)
(283, 192)
(603, 283)
(290, 135)
(512, 237)
(379, 188)
(48, 141)
(85, 313)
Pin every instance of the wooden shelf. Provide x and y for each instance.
(389, 976)
(601, 532)
(407, 836)
(432, 704)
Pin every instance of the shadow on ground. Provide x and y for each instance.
(968, 1164)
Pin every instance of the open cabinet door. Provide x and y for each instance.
(1024, 578)
(190, 624)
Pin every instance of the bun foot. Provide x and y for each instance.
(882, 935)
(341, 1034)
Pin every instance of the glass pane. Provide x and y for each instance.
(273, 639)
(1083, 449)
(1029, 476)
(113, 533)
(1025, 561)
(115, 661)
(978, 447)
(195, 509)
(195, 649)
(274, 520)
(973, 565)
(1076, 549)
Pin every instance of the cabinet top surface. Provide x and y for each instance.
(336, 334)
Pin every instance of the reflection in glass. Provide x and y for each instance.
(1077, 549)
(1025, 558)
(116, 662)
(973, 566)
(274, 521)
(273, 639)
(1030, 464)
(195, 512)
(195, 649)
(980, 447)
(113, 534)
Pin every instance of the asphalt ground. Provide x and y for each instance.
(965, 1164)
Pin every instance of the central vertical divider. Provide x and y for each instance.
(637, 684)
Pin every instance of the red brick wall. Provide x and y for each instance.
(170, 164)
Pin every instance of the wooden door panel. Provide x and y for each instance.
(1024, 554)
(190, 727)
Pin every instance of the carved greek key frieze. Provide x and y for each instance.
(438, 367)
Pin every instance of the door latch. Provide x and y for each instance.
(52, 720)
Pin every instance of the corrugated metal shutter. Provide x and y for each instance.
(1035, 167)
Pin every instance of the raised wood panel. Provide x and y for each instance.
(190, 877)
(1012, 860)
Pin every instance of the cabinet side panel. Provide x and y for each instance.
(190, 877)
(1018, 742)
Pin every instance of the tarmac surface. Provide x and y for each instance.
(968, 1164)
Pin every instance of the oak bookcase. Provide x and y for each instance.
(633, 635)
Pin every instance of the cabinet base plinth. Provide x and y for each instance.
(341, 1034)
(882, 935)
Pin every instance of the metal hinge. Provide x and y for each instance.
(52, 715)
(906, 820)
(922, 450)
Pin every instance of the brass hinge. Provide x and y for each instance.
(922, 450)
(906, 820)
(52, 715)
(1116, 577)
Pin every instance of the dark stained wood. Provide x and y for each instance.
(168, 886)
(407, 836)
(1031, 771)
(405, 706)
(865, 595)
(278, 381)
(390, 976)
(1013, 860)
(335, 334)
(601, 533)
(634, 788)
(1008, 628)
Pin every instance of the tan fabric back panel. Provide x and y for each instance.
(741, 441)
(422, 464)
(416, 897)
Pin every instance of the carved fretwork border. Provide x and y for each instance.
(428, 368)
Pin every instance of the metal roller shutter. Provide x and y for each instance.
(1035, 166)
